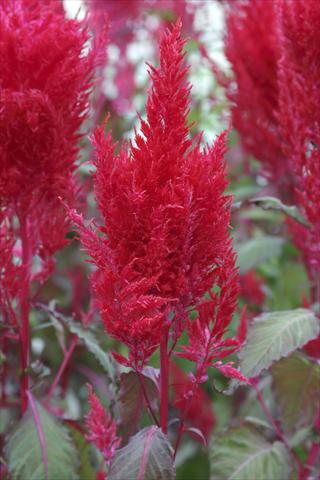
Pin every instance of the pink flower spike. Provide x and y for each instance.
(166, 218)
(229, 371)
(102, 429)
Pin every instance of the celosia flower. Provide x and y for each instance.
(45, 81)
(252, 48)
(165, 241)
(299, 115)
(274, 52)
(251, 288)
(101, 428)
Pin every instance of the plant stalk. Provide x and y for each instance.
(24, 315)
(164, 380)
(146, 399)
(277, 429)
(63, 365)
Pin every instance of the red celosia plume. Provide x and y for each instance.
(45, 82)
(101, 428)
(252, 48)
(165, 241)
(251, 288)
(274, 52)
(299, 115)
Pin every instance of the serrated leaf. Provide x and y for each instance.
(273, 203)
(92, 345)
(242, 453)
(258, 250)
(296, 386)
(275, 335)
(148, 456)
(24, 454)
(131, 396)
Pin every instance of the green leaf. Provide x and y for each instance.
(148, 456)
(92, 345)
(132, 399)
(260, 215)
(87, 336)
(275, 204)
(243, 191)
(258, 250)
(296, 386)
(275, 335)
(288, 288)
(25, 456)
(242, 453)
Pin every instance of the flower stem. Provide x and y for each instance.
(314, 453)
(24, 315)
(146, 398)
(63, 365)
(164, 380)
(277, 428)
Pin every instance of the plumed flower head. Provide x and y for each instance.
(45, 82)
(299, 116)
(166, 219)
(252, 47)
(101, 428)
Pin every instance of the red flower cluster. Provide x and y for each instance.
(165, 241)
(101, 428)
(251, 288)
(252, 48)
(275, 52)
(206, 343)
(299, 115)
(45, 82)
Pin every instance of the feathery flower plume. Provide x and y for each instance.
(252, 288)
(274, 53)
(252, 48)
(165, 241)
(299, 114)
(45, 82)
(101, 428)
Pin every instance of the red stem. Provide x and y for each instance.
(164, 380)
(195, 386)
(277, 429)
(146, 398)
(314, 452)
(63, 366)
(41, 435)
(311, 461)
(24, 315)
